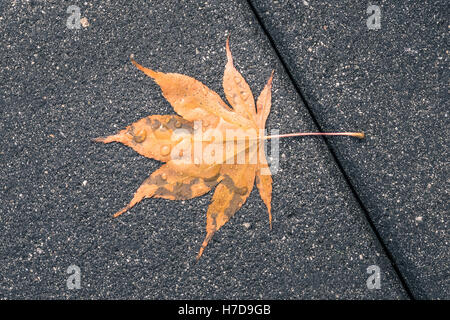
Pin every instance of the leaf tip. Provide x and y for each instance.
(229, 56)
(269, 82)
(147, 71)
(98, 139)
(108, 139)
(120, 212)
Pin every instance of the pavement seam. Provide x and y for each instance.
(333, 154)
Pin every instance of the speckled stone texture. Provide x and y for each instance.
(60, 87)
(393, 84)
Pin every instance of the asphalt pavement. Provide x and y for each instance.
(387, 77)
(334, 204)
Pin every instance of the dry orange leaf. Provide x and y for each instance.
(154, 137)
(173, 139)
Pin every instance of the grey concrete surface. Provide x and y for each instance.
(60, 87)
(392, 83)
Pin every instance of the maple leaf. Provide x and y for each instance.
(154, 137)
(201, 112)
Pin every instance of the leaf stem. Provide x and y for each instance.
(359, 135)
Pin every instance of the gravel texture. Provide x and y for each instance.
(61, 87)
(393, 84)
